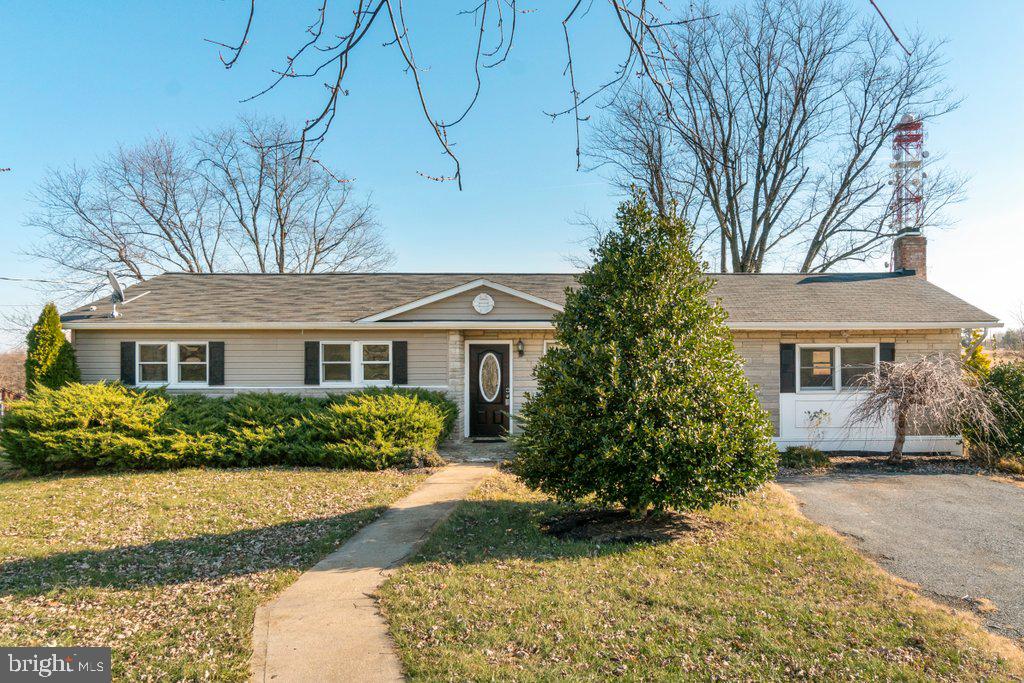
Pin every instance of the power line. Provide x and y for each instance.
(48, 282)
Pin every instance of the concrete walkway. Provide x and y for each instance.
(325, 626)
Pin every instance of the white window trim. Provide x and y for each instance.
(139, 363)
(837, 366)
(357, 364)
(352, 362)
(173, 374)
(390, 364)
(178, 363)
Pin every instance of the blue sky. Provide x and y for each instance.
(81, 78)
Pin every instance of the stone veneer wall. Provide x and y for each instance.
(457, 378)
(760, 350)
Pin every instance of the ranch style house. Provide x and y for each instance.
(477, 336)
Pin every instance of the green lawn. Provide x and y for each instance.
(167, 568)
(761, 594)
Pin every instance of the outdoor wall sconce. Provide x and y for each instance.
(520, 348)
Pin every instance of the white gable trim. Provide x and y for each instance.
(377, 317)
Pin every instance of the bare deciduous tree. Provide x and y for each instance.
(933, 392)
(784, 110)
(287, 214)
(333, 36)
(634, 143)
(228, 200)
(339, 27)
(12, 371)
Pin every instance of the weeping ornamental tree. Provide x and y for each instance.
(49, 359)
(643, 402)
(936, 395)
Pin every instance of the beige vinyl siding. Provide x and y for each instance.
(263, 359)
(460, 307)
(273, 359)
(760, 351)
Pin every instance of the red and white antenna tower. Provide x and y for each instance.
(908, 155)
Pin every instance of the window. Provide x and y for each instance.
(489, 377)
(831, 368)
(355, 362)
(153, 363)
(337, 362)
(192, 365)
(551, 344)
(856, 363)
(817, 368)
(376, 362)
(172, 363)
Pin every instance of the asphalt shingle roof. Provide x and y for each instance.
(831, 299)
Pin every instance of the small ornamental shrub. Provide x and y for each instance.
(644, 402)
(110, 426)
(448, 408)
(193, 413)
(973, 354)
(1003, 446)
(375, 430)
(1011, 465)
(110, 407)
(81, 426)
(49, 358)
(264, 410)
(803, 457)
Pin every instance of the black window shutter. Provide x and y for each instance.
(787, 368)
(128, 363)
(216, 351)
(400, 362)
(312, 362)
(887, 352)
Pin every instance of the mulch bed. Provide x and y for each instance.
(923, 462)
(617, 526)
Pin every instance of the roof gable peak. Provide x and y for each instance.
(454, 291)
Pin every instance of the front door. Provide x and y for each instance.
(488, 389)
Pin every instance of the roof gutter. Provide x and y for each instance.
(936, 325)
(315, 325)
(500, 325)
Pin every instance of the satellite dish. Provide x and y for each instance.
(117, 295)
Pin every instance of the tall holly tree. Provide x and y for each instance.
(50, 359)
(643, 401)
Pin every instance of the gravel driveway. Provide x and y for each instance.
(959, 536)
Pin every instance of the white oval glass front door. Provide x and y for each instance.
(490, 377)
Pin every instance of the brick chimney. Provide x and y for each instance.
(910, 252)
